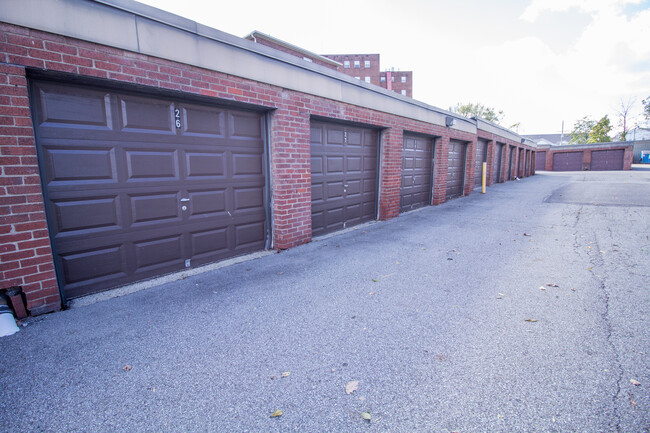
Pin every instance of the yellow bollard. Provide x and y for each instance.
(483, 181)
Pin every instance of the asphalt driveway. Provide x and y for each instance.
(521, 310)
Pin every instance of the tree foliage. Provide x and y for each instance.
(600, 132)
(586, 130)
(646, 109)
(479, 110)
(581, 128)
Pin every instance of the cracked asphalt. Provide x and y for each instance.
(521, 310)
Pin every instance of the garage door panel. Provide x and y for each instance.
(67, 107)
(248, 198)
(353, 164)
(160, 252)
(316, 165)
(206, 242)
(334, 191)
(370, 166)
(245, 125)
(154, 208)
(80, 165)
(146, 115)
(207, 203)
(204, 165)
(92, 264)
(204, 122)
(354, 138)
(81, 217)
(317, 193)
(247, 235)
(334, 164)
(334, 136)
(152, 165)
(244, 164)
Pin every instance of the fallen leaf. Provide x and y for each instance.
(526, 234)
(423, 248)
(277, 413)
(531, 320)
(280, 273)
(552, 285)
(127, 367)
(635, 382)
(374, 280)
(366, 416)
(372, 293)
(542, 288)
(397, 263)
(631, 397)
(286, 374)
(572, 289)
(351, 386)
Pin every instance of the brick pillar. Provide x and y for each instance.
(586, 159)
(291, 177)
(391, 173)
(440, 170)
(25, 254)
(548, 163)
(470, 166)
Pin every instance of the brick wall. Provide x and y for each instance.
(587, 150)
(26, 256)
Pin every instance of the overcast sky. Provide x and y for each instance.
(540, 61)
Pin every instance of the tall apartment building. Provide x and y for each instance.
(364, 67)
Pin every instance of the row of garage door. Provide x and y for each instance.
(137, 186)
(610, 159)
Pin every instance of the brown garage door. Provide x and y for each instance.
(481, 157)
(417, 158)
(498, 161)
(540, 160)
(567, 161)
(343, 176)
(140, 186)
(607, 159)
(456, 171)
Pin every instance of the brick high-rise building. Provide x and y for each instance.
(364, 67)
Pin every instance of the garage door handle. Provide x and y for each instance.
(185, 199)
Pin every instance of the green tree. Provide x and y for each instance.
(646, 109)
(479, 110)
(581, 128)
(599, 132)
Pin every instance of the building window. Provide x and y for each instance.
(403, 79)
(392, 79)
(357, 64)
(367, 80)
(346, 64)
(383, 79)
(404, 92)
(366, 64)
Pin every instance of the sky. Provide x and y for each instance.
(542, 62)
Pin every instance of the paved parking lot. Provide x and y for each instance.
(521, 310)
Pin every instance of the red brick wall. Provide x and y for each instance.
(25, 254)
(586, 155)
(26, 257)
(362, 71)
